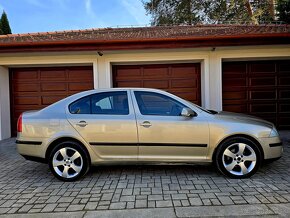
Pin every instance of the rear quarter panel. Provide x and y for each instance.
(46, 126)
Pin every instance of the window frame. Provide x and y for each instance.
(161, 94)
(90, 96)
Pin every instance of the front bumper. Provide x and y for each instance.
(272, 146)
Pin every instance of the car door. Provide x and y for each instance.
(164, 134)
(107, 122)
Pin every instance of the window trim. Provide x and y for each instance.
(157, 94)
(90, 96)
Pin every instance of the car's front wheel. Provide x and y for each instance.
(238, 158)
(68, 161)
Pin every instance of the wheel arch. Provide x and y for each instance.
(64, 139)
(251, 138)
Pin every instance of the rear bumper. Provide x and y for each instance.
(30, 148)
(36, 159)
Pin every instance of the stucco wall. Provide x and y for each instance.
(5, 128)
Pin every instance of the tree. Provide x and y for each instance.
(4, 24)
(283, 10)
(208, 11)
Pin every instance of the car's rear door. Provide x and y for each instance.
(165, 135)
(107, 122)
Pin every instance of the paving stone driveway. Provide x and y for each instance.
(29, 187)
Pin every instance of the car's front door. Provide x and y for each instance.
(166, 135)
(107, 122)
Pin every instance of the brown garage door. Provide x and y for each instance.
(180, 79)
(260, 88)
(36, 88)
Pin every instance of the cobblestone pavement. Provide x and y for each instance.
(29, 187)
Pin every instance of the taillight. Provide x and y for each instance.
(19, 124)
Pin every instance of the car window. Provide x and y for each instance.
(110, 103)
(81, 106)
(151, 103)
(102, 103)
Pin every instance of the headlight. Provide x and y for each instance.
(274, 133)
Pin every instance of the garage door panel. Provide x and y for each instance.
(234, 95)
(262, 67)
(155, 72)
(237, 82)
(263, 95)
(79, 86)
(184, 83)
(179, 72)
(284, 81)
(238, 108)
(263, 108)
(53, 87)
(127, 72)
(56, 75)
(158, 84)
(25, 100)
(284, 121)
(284, 94)
(284, 108)
(284, 67)
(80, 75)
(129, 84)
(22, 87)
(180, 79)
(234, 69)
(36, 88)
(47, 100)
(266, 92)
(25, 75)
(264, 81)
(188, 96)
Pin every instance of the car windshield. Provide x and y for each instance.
(203, 109)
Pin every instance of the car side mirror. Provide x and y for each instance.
(187, 112)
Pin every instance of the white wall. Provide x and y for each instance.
(5, 128)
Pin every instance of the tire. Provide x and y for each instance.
(69, 161)
(238, 158)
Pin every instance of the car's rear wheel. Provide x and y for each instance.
(68, 161)
(238, 158)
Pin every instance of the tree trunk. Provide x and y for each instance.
(250, 11)
(272, 8)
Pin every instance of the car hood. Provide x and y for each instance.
(244, 118)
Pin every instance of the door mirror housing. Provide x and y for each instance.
(187, 112)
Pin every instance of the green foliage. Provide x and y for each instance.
(4, 24)
(283, 10)
(208, 11)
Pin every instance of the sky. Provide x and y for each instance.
(27, 16)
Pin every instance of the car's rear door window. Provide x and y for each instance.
(114, 103)
(110, 103)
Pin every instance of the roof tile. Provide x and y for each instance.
(143, 33)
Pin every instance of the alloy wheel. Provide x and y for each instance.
(239, 159)
(67, 162)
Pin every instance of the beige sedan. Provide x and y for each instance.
(133, 125)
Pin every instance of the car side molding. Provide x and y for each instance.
(146, 144)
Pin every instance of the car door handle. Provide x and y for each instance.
(82, 123)
(146, 124)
